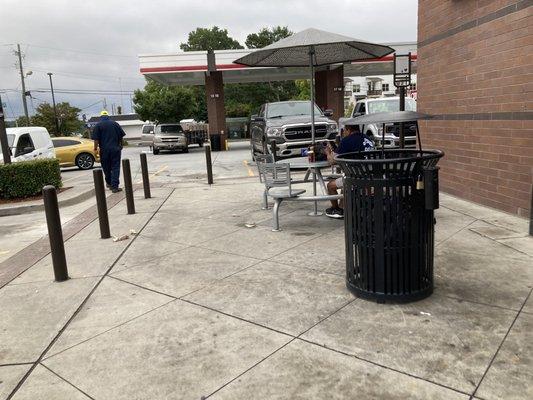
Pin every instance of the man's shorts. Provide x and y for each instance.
(339, 182)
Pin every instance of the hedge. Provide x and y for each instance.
(27, 178)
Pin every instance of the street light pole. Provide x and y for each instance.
(54, 102)
(24, 103)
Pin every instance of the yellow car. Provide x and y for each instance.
(74, 151)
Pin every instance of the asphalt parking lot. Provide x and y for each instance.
(227, 164)
(164, 168)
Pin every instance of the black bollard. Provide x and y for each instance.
(274, 150)
(101, 203)
(128, 186)
(209, 163)
(55, 233)
(146, 177)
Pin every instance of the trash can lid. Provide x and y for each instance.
(385, 117)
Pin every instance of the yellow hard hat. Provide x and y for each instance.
(103, 112)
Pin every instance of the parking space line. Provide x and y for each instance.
(250, 171)
(162, 169)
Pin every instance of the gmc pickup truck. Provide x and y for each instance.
(288, 123)
(392, 131)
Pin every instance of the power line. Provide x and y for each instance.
(83, 91)
(73, 74)
(81, 51)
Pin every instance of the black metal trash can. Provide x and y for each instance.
(389, 223)
(216, 142)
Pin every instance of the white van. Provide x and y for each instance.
(29, 143)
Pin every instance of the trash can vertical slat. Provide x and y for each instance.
(389, 231)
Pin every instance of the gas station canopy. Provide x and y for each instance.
(189, 68)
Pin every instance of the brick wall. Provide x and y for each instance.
(475, 73)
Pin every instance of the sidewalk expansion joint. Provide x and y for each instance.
(502, 342)
(277, 350)
(80, 307)
(384, 366)
(66, 381)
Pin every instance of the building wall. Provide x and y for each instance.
(351, 95)
(475, 73)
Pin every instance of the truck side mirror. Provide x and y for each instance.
(357, 114)
(328, 113)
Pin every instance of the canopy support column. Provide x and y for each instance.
(216, 115)
(330, 90)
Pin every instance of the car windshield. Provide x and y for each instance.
(390, 105)
(170, 129)
(289, 109)
(148, 128)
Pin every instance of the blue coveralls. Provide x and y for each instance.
(109, 135)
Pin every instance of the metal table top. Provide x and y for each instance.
(303, 162)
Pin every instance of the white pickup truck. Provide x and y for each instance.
(392, 130)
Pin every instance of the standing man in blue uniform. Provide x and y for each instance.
(107, 136)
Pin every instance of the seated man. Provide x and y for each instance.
(352, 141)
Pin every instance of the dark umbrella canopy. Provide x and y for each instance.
(328, 48)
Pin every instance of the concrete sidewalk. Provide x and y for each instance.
(207, 302)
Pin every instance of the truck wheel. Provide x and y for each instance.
(155, 151)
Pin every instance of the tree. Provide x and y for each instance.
(66, 114)
(210, 39)
(304, 89)
(165, 103)
(266, 36)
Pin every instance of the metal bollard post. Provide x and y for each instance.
(209, 163)
(146, 177)
(101, 203)
(55, 233)
(128, 186)
(274, 150)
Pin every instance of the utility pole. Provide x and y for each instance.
(23, 84)
(54, 103)
(121, 100)
(105, 104)
(6, 152)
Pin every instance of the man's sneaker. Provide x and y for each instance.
(335, 212)
(116, 190)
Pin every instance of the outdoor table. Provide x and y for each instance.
(314, 169)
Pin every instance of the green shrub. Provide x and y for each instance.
(27, 178)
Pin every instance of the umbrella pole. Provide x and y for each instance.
(312, 86)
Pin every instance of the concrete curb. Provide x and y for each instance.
(29, 208)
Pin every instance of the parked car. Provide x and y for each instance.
(392, 130)
(288, 123)
(29, 143)
(170, 137)
(147, 135)
(75, 151)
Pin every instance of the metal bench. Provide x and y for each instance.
(277, 179)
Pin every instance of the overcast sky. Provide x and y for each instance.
(93, 45)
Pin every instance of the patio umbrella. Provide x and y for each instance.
(313, 48)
